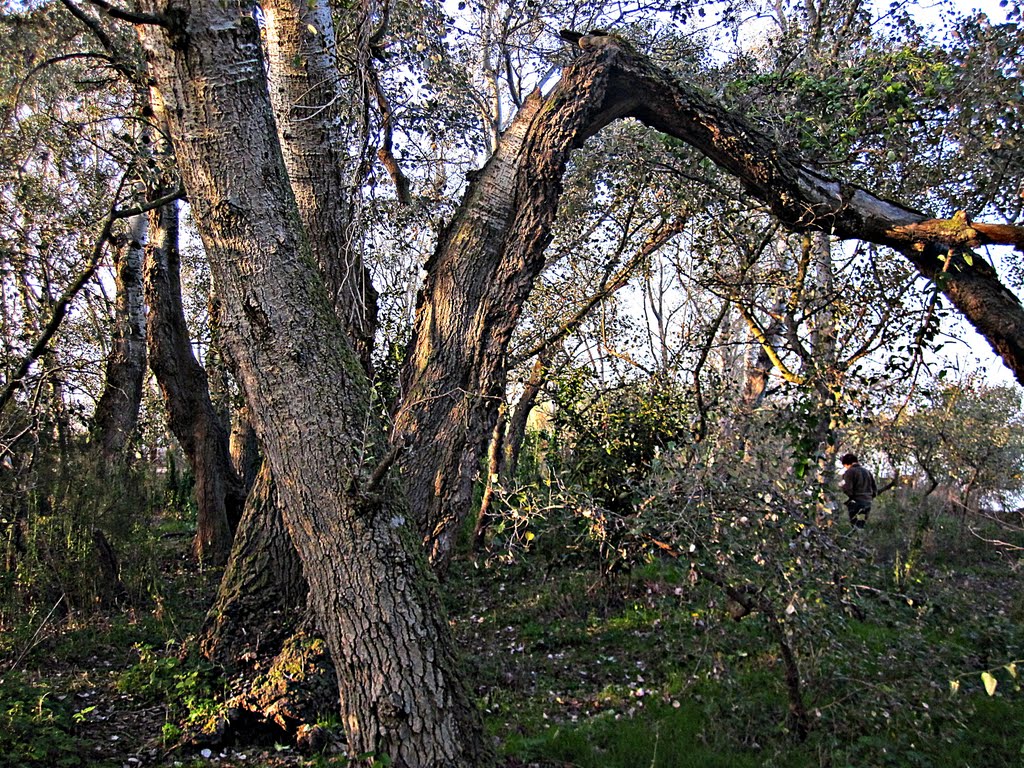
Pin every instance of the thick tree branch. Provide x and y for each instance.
(804, 198)
(131, 17)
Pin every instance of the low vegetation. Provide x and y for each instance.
(907, 652)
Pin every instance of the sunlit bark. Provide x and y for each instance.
(401, 693)
(117, 411)
(308, 97)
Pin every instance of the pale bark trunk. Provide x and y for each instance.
(369, 588)
(117, 412)
(308, 98)
(495, 452)
(829, 373)
(183, 383)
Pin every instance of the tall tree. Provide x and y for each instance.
(191, 416)
(401, 693)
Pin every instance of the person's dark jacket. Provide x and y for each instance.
(859, 484)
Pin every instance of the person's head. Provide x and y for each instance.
(848, 459)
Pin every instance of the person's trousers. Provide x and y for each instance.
(858, 512)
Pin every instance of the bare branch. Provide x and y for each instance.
(60, 309)
(131, 16)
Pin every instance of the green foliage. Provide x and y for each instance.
(191, 687)
(958, 447)
(611, 439)
(576, 670)
(36, 729)
(664, 737)
(77, 535)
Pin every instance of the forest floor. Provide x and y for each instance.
(915, 666)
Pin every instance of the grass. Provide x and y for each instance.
(645, 669)
(649, 670)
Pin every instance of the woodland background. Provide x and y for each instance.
(648, 562)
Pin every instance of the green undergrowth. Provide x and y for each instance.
(68, 676)
(915, 668)
(36, 725)
(910, 661)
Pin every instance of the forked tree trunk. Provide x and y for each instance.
(117, 412)
(190, 413)
(313, 110)
(370, 590)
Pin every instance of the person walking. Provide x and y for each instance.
(860, 489)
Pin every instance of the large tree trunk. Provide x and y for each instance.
(477, 282)
(117, 411)
(401, 693)
(309, 100)
(191, 416)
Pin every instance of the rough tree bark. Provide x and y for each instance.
(311, 103)
(308, 98)
(245, 448)
(374, 600)
(117, 411)
(478, 279)
(220, 496)
(263, 592)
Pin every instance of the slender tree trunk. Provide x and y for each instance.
(183, 383)
(117, 412)
(507, 442)
(309, 101)
(495, 452)
(401, 693)
(829, 373)
(515, 434)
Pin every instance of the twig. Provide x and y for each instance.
(386, 463)
(32, 643)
